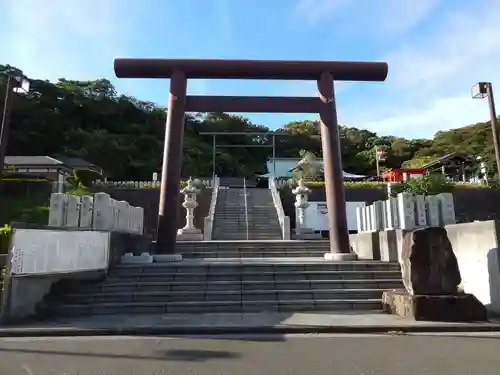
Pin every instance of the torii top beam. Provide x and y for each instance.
(250, 69)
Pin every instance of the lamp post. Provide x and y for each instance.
(16, 83)
(482, 90)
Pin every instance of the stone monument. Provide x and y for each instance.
(301, 193)
(189, 232)
(431, 277)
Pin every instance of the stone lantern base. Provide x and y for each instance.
(189, 234)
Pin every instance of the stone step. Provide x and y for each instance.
(221, 295)
(276, 265)
(253, 254)
(278, 244)
(237, 237)
(69, 310)
(138, 276)
(217, 285)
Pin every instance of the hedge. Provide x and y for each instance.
(377, 185)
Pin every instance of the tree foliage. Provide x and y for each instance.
(430, 184)
(124, 135)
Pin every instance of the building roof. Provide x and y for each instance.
(76, 162)
(448, 157)
(31, 160)
(285, 167)
(61, 161)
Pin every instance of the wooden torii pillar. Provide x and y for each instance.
(324, 72)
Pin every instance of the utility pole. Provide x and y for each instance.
(479, 91)
(4, 126)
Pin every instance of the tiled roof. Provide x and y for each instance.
(31, 160)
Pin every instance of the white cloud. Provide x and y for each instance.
(440, 114)
(317, 10)
(56, 38)
(382, 17)
(428, 87)
(223, 13)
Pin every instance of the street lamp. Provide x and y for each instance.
(17, 83)
(482, 90)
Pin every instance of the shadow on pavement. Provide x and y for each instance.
(186, 355)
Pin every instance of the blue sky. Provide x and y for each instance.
(436, 49)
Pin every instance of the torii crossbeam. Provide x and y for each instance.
(324, 72)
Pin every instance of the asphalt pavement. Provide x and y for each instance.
(258, 354)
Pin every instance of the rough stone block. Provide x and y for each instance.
(428, 264)
(460, 307)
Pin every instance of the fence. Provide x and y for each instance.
(206, 181)
(407, 211)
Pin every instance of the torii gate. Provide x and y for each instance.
(324, 72)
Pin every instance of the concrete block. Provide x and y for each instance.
(391, 244)
(476, 246)
(447, 308)
(366, 245)
(144, 258)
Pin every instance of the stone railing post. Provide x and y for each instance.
(209, 220)
(283, 220)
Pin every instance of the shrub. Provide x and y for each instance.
(4, 238)
(426, 185)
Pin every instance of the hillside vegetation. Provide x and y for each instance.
(123, 135)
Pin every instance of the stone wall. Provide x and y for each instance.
(149, 200)
(470, 203)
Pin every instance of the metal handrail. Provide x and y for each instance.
(246, 204)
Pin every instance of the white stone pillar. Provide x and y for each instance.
(73, 211)
(378, 222)
(359, 219)
(366, 220)
(86, 211)
(392, 214)
(103, 214)
(446, 208)
(57, 213)
(140, 220)
(123, 218)
(420, 213)
(432, 208)
(406, 209)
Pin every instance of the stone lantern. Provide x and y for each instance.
(301, 193)
(189, 232)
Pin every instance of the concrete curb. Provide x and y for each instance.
(155, 331)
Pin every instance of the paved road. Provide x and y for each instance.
(318, 355)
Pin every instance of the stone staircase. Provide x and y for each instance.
(204, 286)
(231, 274)
(230, 221)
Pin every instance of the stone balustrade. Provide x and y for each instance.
(207, 182)
(406, 211)
(283, 219)
(98, 212)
